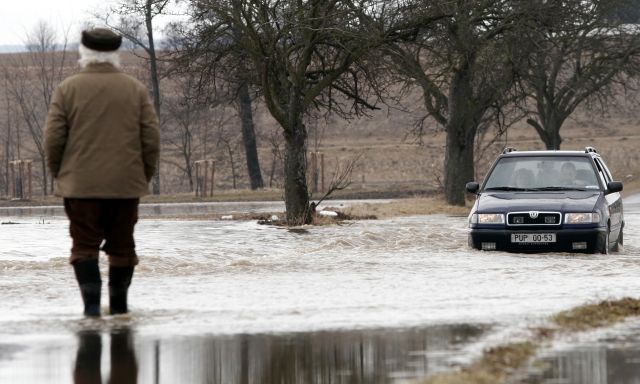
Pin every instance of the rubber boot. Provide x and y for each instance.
(88, 276)
(119, 281)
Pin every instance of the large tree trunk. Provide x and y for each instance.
(249, 137)
(551, 138)
(458, 162)
(549, 131)
(296, 194)
(461, 130)
(155, 82)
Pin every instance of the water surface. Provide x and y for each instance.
(202, 281)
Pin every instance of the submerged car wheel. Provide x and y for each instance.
(605, 245)
(619, 245)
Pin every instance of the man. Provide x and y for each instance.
(568, 174)
(102, 146)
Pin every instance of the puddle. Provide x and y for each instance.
(123, 356)
(609, 355)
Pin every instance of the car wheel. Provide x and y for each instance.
(619, 245)
(605, 245)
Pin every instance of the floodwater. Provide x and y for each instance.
(233, 301)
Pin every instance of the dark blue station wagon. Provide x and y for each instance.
(547, 201)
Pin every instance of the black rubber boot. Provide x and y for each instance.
(88, 276)
(119, 281)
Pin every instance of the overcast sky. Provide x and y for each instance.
(20, 17)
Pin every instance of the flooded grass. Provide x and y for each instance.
(499, 364)
(601, 314)
(495, 365)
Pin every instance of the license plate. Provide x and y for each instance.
(533, 238)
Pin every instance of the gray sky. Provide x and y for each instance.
(20, 17)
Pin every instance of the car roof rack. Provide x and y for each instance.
(509, 150)
(590, 150)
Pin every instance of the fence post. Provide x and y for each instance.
(197, 188)
(206, 175)
(213, 175)
(322, 171)
(314, 171)
(29, 190)
(203, 181)
(13, 179)
(19, 170)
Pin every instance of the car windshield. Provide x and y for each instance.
(542, 173)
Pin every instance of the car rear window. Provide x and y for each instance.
(543, 172)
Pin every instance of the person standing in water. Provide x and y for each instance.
(102, 145)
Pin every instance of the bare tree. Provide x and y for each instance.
(31, 80)
(230, 146)
(341, 178)
(303, 54)
(464, 66)
(11, 133)
(135, 21)
(222, 78)
(581, 53)
(245, 108)
(186, 117)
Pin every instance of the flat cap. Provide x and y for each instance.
(101, 39)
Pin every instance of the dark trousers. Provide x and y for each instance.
(94, 221)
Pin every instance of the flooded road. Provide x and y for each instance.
(213, 299)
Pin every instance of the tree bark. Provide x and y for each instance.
(296, 194)
(549, 131)
(458, 162)
(461, 130)
(249, 137)
(155, 82)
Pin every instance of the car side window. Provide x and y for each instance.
(603, 172)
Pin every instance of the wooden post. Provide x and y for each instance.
(213, 176)
(204, 183)
(29, 190)
(322, 171)
(314, 171)
(13, 179)
(17, 177)
(197, 188)
(206, 176)
(21, 177)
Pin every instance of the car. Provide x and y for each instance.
(545, 201)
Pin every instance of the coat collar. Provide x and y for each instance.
(99, 68)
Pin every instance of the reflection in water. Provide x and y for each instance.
(359, 356)
(597, 365)
(124, 367)
(374, 356)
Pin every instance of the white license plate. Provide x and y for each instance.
(533, 238)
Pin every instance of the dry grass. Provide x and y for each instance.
(406, 207)
(497, 365)
(596, 315)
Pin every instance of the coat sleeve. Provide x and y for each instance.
(150, 136)
(56, 131)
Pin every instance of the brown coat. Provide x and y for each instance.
(101, 135)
